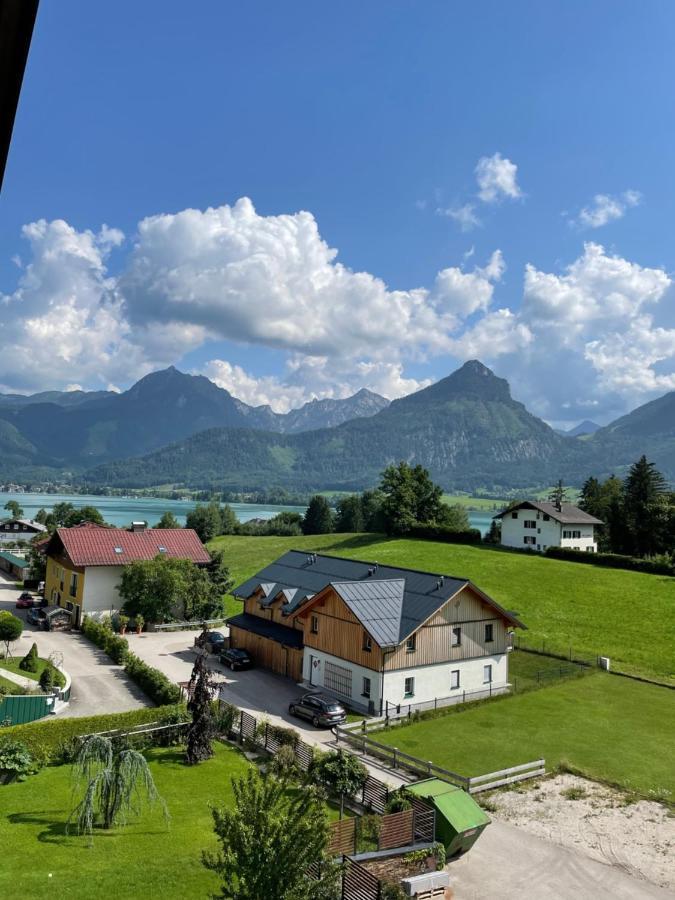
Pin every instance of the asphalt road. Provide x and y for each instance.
(99, 686)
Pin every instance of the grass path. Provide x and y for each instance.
(628, 616)
(610, 728)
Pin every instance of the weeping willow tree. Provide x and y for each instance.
(117, 781)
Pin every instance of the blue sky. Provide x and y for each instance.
(373, 119)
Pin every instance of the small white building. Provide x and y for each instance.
(538, 526)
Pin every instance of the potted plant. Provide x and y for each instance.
(124, 621)
(140, 622)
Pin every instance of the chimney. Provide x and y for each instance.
(138, 526)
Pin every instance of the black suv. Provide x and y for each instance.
(236, 659)
(321, 710)
(211, 641)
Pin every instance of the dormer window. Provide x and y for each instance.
(162, 549)
(119, 550)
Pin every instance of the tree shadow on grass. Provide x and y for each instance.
(55, 831)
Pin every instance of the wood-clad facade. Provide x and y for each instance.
(329, 625)
(373, 636)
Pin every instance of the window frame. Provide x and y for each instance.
(489, 636)
(411, 643)
(366, 642)
(365, 690)
(456, 636)
(455, 676)
(314, 624)
(409, 692)
(487, 668)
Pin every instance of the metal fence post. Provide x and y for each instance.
(267, 730)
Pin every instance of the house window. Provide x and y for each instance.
(456, 636)
(367, 644)
(410, 644)
(409, 687)
(73, 584)
(366, 688)
(487, 674)
(489, 637)
(546, 517)
(454, 679)
(529, 523)
(514, 515)
(530, 539)
(590, 549)
(314, 628)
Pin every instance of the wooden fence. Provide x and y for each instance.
(402, 829)
(397, 759)
(358, 883)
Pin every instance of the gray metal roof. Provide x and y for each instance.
(373, 592)
(567, 515)
(377, 605)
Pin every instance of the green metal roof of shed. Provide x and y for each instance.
(454, 804)
(14, 560)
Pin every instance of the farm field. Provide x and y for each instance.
(609, 728)
(628, 616)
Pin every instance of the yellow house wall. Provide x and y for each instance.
(59, 572)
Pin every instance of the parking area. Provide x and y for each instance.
(99, 686)
(254, 690)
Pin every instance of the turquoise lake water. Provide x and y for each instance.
(122, 511)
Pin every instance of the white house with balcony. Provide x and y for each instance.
(537, 526)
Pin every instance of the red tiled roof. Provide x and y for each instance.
(96, 545)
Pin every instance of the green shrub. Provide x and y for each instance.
(284, 764)
(391, 891)
(172, 737)
(30, 662)
(155, 683)
(16, 761)
(287, 737)
(224, 717)
(444, 534)
(398, 801)
(47, 679)
(51, 740)
(661, 565)
(101, 634)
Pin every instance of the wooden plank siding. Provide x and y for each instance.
(339, 632)
(433, 642)
(268, 654)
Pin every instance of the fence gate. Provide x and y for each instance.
(374, 795)
(358, 883)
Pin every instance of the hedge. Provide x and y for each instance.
(445, 534)
(46, 740)
(612, 561)
(154, 683)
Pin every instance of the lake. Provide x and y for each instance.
(121, 511)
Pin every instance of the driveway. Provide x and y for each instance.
(99, 686)
(254, 690)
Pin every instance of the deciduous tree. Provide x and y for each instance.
(268, 840)
(11, 628)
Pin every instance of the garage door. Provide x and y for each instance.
(338, 679)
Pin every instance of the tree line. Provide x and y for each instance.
(638, 511)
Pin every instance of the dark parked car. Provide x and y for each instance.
(236, 659)
(321, 710)
(36, 617)
(25, 601)
(211, 641)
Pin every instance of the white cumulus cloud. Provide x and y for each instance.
(606, 208)
(497, 178)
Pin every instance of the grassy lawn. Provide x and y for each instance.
(628, 616)
(143, 859)
(9, 687)
(12, 665)
(610, 728)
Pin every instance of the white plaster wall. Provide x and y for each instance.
(433, 682)
(100, 590)
(547, 534)
(358, 673)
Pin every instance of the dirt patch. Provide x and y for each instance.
(599, 821)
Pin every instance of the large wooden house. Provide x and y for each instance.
(373, 634)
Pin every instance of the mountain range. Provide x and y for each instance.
(173, 428)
